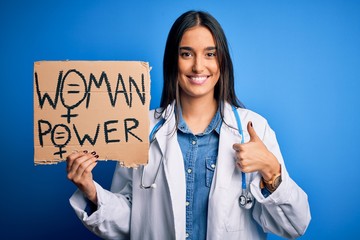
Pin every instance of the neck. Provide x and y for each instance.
(198, 112)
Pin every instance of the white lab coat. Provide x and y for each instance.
(129, 212)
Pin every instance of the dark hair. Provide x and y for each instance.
(224, 89)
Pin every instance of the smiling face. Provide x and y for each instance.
(198, 64)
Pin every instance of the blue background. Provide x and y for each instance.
(296, 62)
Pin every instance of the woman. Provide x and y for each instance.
(207, 177)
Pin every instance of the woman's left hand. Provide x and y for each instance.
(254, 156)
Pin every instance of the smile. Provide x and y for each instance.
(198, 79)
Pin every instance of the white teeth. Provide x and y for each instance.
(198, 79)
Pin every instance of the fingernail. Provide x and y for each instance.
(251, 124)
(93, 153)
(85, 151)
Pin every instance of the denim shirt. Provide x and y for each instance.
(200, 153)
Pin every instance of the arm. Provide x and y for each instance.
(286, 211)
(111, 218)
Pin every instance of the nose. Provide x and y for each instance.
(198, 65)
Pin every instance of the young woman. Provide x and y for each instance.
(215, 169)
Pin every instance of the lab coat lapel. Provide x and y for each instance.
(174, 171)
(226, 154)
(222, 179)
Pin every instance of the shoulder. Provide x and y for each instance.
(246, 115)
(154, 116)
(249, 115)
(161, 114)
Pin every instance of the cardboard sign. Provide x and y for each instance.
(91, 105)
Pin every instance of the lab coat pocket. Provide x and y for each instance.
(236, 217)
(210, 169)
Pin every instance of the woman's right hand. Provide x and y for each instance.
(79, 171)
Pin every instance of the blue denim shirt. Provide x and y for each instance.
(200, 153)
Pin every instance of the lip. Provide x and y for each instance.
(198, 79)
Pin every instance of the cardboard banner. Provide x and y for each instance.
(91, 105)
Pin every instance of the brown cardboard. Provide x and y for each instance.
(106, 101)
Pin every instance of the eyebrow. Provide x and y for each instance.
(191, 49)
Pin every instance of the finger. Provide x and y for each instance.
(252, 133)
(245, 165)
(91, 167)
(85, 168)
(238, 163)
(74, 169)
(237, 147)
(242, 164)
(71, 159)
(82, 162)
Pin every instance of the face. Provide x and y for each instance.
(198, 65)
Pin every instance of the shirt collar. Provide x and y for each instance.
(215, 124)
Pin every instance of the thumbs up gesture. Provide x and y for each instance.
(254, 156)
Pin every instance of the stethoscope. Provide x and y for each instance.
(151, 140)
(246, 199)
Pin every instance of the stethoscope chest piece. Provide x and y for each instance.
(246, 200)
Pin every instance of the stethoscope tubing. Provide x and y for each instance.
(241, 132)
(151, 139)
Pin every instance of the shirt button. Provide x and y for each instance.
(187, 235)
(213, 166)
(193, 142)
(189, 170)
(187, 203)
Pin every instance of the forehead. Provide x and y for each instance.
(197, 37)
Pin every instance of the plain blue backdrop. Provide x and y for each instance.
(297, 63)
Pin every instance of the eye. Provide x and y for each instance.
(186, 54)
(211, 54)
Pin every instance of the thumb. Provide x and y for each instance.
(253, 136)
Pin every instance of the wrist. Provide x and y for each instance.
(92, 197)
(271, 168)
(273, 183)
(90, 193)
